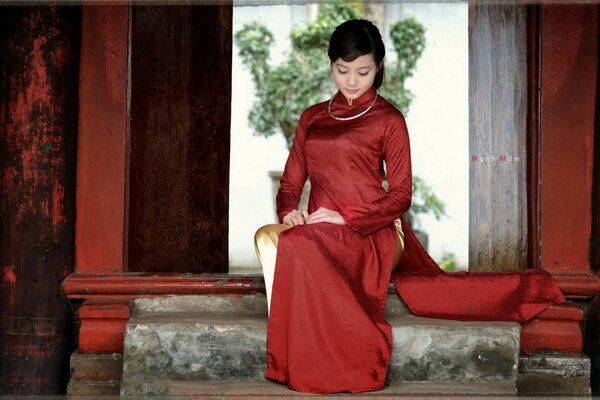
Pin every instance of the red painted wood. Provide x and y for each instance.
(557, 328)
(133, 285)
(564, 336)
(101, 172)
(86, 286)
(102, 326)
(104, 310)
(567, 107)
(39, 59)
(568, 311)
(533, 66)
(578, 285)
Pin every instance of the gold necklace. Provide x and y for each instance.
(352, 117)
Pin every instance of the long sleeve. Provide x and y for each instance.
(368, 218)
(294, 174)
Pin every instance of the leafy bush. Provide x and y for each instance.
(448, 262)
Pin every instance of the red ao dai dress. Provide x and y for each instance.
(327, 332)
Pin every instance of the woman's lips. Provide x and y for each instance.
(354, 91)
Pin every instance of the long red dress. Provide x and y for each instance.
(327, 332)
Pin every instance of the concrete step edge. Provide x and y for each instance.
(269, 389)
(239, 319)
(254, 303)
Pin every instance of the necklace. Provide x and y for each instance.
(352, 117)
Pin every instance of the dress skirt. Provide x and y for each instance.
(327, 332)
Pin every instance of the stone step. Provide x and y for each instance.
(255, 303)
(274, 390)
(93, 389)
(210, 346)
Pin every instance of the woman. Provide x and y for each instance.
(327, 269)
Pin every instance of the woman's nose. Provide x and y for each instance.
(351, 80)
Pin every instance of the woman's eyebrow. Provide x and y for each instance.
(343, 66)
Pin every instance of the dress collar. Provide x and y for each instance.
(365, 98)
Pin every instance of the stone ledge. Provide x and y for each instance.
(550, 373)
(212, 346)
(548, 386)
(92, 389)
(274, 390)
(564, 365)
(255, 303)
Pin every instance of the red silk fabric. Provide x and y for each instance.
(327, 332)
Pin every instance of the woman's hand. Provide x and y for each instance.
(296, 217)
(325, 215)
(301, 217)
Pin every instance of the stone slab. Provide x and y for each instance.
(195, 346)
(273, 390)
(250, 304)
(428, 349)
(96, 367)
(216, 346)
(564, 365)
(550, 373)
(92, 389)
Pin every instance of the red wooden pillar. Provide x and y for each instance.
(567, 110)
(102, 169)
(39, 60)
(563, 70)
(102, 146)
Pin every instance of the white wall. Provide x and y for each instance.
(437, 121)
(251, 203)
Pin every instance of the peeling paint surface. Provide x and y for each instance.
(39, 60)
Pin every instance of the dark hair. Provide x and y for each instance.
(355, 38)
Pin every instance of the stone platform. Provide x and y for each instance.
(272, 390)
(187, 340)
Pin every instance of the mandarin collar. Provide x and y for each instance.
(366, 97)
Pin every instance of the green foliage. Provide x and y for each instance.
(448, 262)
(424, 200)
(316, 35)
(285, 90)
(408, 38)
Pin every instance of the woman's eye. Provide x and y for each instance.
(363, 73)
(342, 72)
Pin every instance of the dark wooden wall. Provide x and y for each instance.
(179, 138)
(39, 62)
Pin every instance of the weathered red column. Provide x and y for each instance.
(563, 72)
(39, 62)
(568, 74)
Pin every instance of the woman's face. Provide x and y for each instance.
(356, 77)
